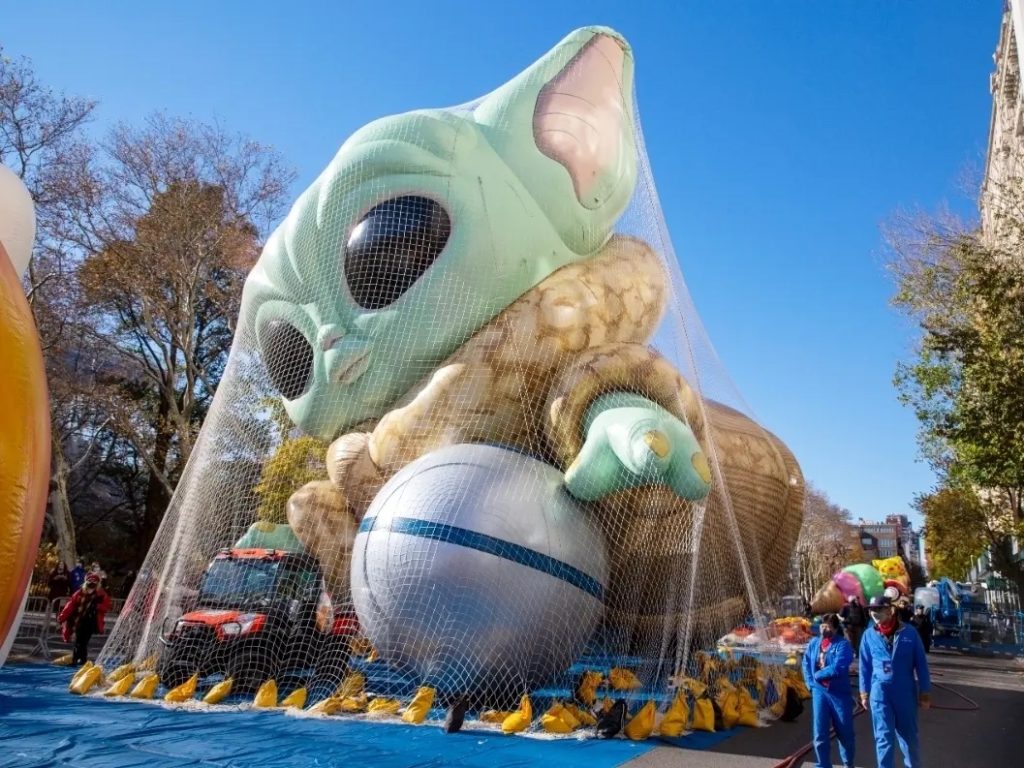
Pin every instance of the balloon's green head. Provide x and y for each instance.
(426, 225)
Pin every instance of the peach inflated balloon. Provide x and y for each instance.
(24, 446)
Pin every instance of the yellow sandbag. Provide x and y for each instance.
(729, 703)
(520, 720)
(583, 716)
(266, 696)
(122, 671)
(552, 721)
(328, 706)
(586, 691)
(122, 686)
(219, 692)
(706, 665)
(642, 724)
(569, 717)
(748, 709)
(384, 707)
(148, 664)
(78, 674)
(703, 715)
(351, 685)
(353, 705)
(146, 687)
(64, 661)
(420, 705)
(623, 679)
(295, 699)
(606, 705)
(183, 692)
(748, 717)
(696, 687)
(87, 680)
(674, 722)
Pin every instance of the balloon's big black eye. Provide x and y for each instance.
(288, 357)
(392, 246)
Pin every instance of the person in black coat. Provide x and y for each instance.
(855, 620)
(59, 584)
(924, 627)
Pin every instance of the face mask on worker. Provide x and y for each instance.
(883, 616)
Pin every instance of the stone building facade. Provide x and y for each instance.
(1004, 161)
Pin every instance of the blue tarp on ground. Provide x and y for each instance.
(41, 724)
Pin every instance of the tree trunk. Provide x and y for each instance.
(59, 509)
(157, 496)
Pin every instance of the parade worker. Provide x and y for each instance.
(891, 656)
(826, 667)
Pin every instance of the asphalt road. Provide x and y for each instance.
(991, 735)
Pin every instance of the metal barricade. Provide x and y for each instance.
(36, 624)
(39, 635)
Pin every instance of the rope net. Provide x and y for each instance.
(471, 425)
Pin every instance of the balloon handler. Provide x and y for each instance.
(83, 616)
(826, 668)
(891, 655)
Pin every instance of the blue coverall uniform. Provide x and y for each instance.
(831, 697)
(887, 672)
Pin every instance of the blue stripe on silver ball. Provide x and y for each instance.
(493, 546)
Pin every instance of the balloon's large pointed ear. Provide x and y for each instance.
(565, 127)
(17, 220)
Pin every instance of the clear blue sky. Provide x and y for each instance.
(780, 134)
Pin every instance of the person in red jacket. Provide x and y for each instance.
(83, 616)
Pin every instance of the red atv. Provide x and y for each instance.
(259, 613)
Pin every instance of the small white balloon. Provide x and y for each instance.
(17, 219)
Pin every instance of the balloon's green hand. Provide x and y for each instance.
(630, 442)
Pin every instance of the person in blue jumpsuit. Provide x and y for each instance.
(891, 656)
(826, 667)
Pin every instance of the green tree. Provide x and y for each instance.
(965, 383)
(826, 542)
(297, 461)
(955, 530)
(168, 219)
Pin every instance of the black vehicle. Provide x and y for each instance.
(259, 613)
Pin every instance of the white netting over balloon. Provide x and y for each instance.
(472, 440)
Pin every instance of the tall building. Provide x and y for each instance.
(888, 536)
(909, 538)
(1005, 156)
(1004, 170)
(868, 543)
